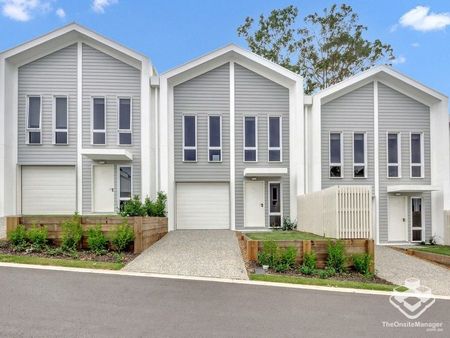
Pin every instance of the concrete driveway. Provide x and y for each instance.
(205, 253)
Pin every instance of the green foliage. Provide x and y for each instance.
(18, 237)
(289, 225)
(326, 273)
(309, 263)
(72, 232)
(285, 259)
(37, 236)
(133, 207)
(362, 263)
(336, 256)
(96, 240)
(269, 252)
(123, 236)
(156, 208)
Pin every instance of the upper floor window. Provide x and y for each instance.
(416, 155)
(215, 138)
(190, 138)
(335, 155)
(125, 121)
(393, 155)
(359, 155)
(34, 120)
(61, 121)
(98, 121)
(250, 137)
(125, 184)
(274, 138)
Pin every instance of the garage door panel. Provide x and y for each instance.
(203, 206)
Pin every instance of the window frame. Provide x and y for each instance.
(422, 215)
(124, 199)
(269, 200)
(124, 131)
(56, 130)
(335, 164)
(269, 148)
(27, 118)
(196, 138)
(256, 139)
(364, 133)
(209, 140)
(422, 160)
(399, 155)
(92, 120)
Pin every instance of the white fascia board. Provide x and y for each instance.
(411, 188)
(264, 172)
(107, 154)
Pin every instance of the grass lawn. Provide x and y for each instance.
(325, 282)
(436, 249)
(279, 235)
(70, 263)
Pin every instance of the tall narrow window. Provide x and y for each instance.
(61, 120)
(34, 120)
(274, 138)
(416, 222)
(215, 138)
(393, 154)
(124, 121)
(98, 121)
(416, 155)
(125, 184)
(275, 204)
(335, 155)
(250, 136)
(359, 155)
(190, 138)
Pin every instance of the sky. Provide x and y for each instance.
(173, 32)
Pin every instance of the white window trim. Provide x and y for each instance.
(121, 199)
(281, 202)
(365, 154)
(341, 164)
(421, 164)
(209, 145)
(27, 116)
(92, 121)
(281, 138)
(256, 138)
(196, 140)
(399, 155)
(54, 120)
(124, 131)
(423, 219)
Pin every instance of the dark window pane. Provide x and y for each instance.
(274, 155)
(359, 171)
(335, 171)
(416, 171)
(125, 138)
(358, 148)
(124, 114)
(190, 155)
(392, 148)
(416, 208)
(335, 148)
(214, 131)
(215, 155)
(61, 137)
(415, 148)
(393, 171)
(250, 132)
(34, 112)
(275, 205)
(250, 155)
(274, 132)
(275, 221)
(34, 137)
(61, 113)
(125, 182)
(99, 113)
(189, 131)
(417, 235)
(99, 138)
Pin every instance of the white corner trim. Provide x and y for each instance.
(376, 160)
(79, 127)
(232, 150)
(146, 144)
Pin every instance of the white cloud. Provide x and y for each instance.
(100, 5)
(61, 13)
(23, 10)
(421, 19)
(399, 60)
(415, 44)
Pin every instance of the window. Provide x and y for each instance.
(359, 155)
(416, 155)
(250, 136)
(125, 184)
(215, 139)
(274, 139)
(34, 119)
(98, 121)
(393, 155)
(190, 138)
(124, 121)
(274, 204)
(61, 121)
(416, 217)
(335, 155)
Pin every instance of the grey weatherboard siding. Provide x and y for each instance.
(108, 77)
(54, 74)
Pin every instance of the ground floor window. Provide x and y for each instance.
(125, 184)
(274, 204)
(416, 219)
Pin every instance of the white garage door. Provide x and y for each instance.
(203, 206)
(48, 190)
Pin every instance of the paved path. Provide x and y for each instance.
(396, 266)
(205, 253)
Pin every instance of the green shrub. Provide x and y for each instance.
(96, 240)
(270, 251)
(123, 236)
(362, 263)
(37, 236)
(289, 225)
(263, 258)
(156, 208)
(72, 232)
(18, 237)
(285, 259)
(326, 273)
(133, 207)
(336, 256)
(309, 263)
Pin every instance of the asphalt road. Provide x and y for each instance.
(43, 303)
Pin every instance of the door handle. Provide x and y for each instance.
(262, 205)
(112, 189)
(404, 219)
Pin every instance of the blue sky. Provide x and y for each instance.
(172, 32)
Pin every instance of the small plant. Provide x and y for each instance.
(72, 232)
(160, 205)
(336, 256)
(263, 258)
(288, 224)
(326, 273)
(118, 257)
(123, 236)
(362, 263)
(285, 259)
(37, 236)
(96, 240)
(18, 237)
(270, 251)
(133, 207)
(309, 263)
(433, 240)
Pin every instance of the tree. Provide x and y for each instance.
(329, 48)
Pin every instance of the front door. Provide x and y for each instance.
(103, 177)
(254, 204)
(398, 222)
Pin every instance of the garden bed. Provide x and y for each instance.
(279, 235)
(434, 253)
